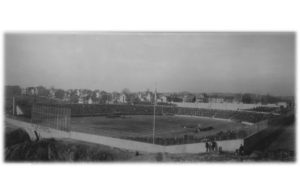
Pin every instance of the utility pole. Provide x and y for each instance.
(14, 108)
(153, 136)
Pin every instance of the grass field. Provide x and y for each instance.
(141, 126)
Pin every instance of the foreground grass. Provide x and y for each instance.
(19, 148)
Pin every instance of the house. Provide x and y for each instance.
(141, 97)
(282, 104)
(164, 99)
(67, 96)
(52, 93)
(189, 98)
(81, 100)
(90, 101)
(229, 99)
(200, 98)
(78, 93)
(23, 91)
(97, 94)
(175, 98)
(122, 98)
(114, 98)
(216, 99)
(31, 91)
(149, 97)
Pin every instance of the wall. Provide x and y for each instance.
(118, 143)
(227, 145)
(42, 131)
(221, 106)
(267, 132)
(46, 132)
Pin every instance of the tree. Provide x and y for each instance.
(133, 99)
(60, 94)
(74, 97)
(268, 99)
(126, 91)
(42, 91)
(94, 96)
(11, 91)
(104, 97)
(246, 98)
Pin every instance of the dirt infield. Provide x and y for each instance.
(141, 125)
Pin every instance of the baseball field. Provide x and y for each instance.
(142, 126)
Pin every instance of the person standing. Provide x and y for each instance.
(207, 146)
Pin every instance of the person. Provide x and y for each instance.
(206, 146)
(209, 146)
(215, 147)
(241, 150)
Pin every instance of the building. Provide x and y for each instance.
(122, 98)
(31, 91)
(141, 97)
(52, 93)
(164, 99)
(282, 104)
(23, 91)
(80, 100)
(90, 101)
(67, 96)
(149, 96)
(189, 98)
(216, 99)
(201, 98)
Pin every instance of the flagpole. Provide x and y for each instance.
(153, 136)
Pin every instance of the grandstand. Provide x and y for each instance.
(79, 110)
(135, 121)
(53, 116)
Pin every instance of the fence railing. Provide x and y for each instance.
(54, 116)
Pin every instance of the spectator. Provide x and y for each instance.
(207, 146)
(214, 145)
(241, 150)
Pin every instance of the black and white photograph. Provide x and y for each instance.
(149, 97)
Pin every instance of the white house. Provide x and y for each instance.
(80, 100)
(122, 98)
(31, 91)
(90, 101)
(283, 104)
(216, 100)
(98, 95)
(67, 96)
(141, 97)
(149, 97)
(52, 93)
(164, 99)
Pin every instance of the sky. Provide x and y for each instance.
(262, 63)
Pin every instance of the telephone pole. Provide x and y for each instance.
(153, 135)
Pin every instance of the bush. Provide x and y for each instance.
(16, 137)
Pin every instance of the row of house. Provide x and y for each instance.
(85, 96)
(204, 98)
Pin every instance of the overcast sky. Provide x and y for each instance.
(196, 62)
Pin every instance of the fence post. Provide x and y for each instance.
(13, 105)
